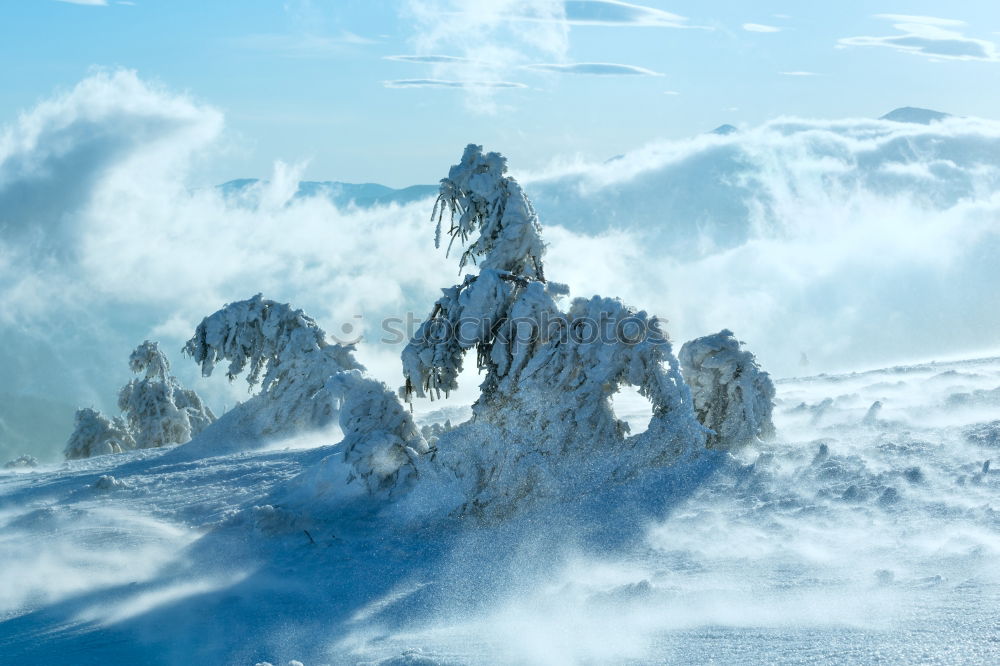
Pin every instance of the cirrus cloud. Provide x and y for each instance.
(444, 83)
(614, 13)
(928, 36)
(593, 68)
(430, 59)
(760, 27)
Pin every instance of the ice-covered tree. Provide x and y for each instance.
(157, 409)
(732, 396)
(544, 414)
(94, 434)
(307, 384)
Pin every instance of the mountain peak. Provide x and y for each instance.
(724, 129)
(913, 114)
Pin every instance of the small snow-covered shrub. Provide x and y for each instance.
(94, 434)
(732, 396)
(22, 462)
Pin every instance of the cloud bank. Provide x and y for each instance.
(858, 242)
(106, 240)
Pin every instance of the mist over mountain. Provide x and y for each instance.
(852, 241)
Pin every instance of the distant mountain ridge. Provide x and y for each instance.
(913, 114)
(366, 195)
(363, 195)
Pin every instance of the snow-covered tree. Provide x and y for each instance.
(284, 352)
(544, 414)
(22, 462)
(732, 396)
(306, 384)
(492, 208)
(94, 434)
(157, 409)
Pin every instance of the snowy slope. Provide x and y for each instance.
(846, 540)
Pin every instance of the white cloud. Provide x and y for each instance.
(593, 68)
(816, 236)
(104, 238)
(492, 40)
(759, 27)
(92, 3)
(926, 20)
(930, 37)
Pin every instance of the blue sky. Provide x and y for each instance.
(373, 90)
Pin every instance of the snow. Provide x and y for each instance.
(770, 554)
(21, 462)
(157, 409)
(732, 396)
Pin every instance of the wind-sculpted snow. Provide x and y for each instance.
(381, 442)
(494, 211)
(835, 542)
(732, 396)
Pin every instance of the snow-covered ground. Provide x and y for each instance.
(859, 535)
